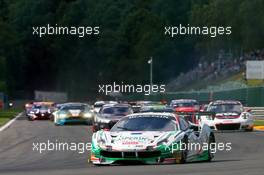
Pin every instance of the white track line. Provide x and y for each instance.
(10, 122)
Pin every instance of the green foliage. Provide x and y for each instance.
(131, 32)
(6, 115)
(246, 17)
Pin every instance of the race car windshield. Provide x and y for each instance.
(145, 123)
(41, 107)
(66, 108)
(115, 110)
(156, 109)
(98, 105)
(224, 108)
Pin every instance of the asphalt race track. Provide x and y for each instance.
(17, 155)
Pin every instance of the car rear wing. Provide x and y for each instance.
(197, 113)
(194, 117)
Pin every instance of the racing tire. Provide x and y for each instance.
(58, 124)
(184, 153)
(210, 154)
(94, 128)
(249, 129)
(51, 118)
(55, 121)
(90, 162)
(89, 123)
(89, 158)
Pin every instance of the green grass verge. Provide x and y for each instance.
(6, 115)
(259, 123)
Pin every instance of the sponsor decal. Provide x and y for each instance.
(132, 140)
(130, 143)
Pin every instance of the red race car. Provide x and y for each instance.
(185, 105)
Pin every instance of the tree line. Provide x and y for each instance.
(130, 33)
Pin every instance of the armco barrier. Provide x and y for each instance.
(248, 96)
(257, 112)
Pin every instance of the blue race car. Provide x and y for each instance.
(74, 113)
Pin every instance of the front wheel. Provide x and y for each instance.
(30, 119)
(51, 118)
(250, 129)
(94, 128)
(89, 158)
(184, 153)
(56, 121)
(211, 146)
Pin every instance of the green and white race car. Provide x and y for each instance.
(152, 138)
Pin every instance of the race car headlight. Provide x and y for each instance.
(162, 142)
(105, 147)
(150, 148)
(87, 115)
(101, 144)
(62, 115)
(103, 120)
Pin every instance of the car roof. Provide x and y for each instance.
(153, 114)
(184, 100)
(105, 102)
(43, 103)
(99, 102)
(117, 105)
(39, 105)
(225, 102)
(74, 104)
(156, 106)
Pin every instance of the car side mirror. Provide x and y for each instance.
(248, 110)
(194, 127)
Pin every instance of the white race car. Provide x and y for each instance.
(99, 104)
(229, 115)
(152, 138)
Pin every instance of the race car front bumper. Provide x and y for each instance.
(161, 155)
(63, 121)
(229, 126)
(145, 157)
(39, 116)
(236, 125)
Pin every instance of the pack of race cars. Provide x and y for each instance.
(147, 131)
